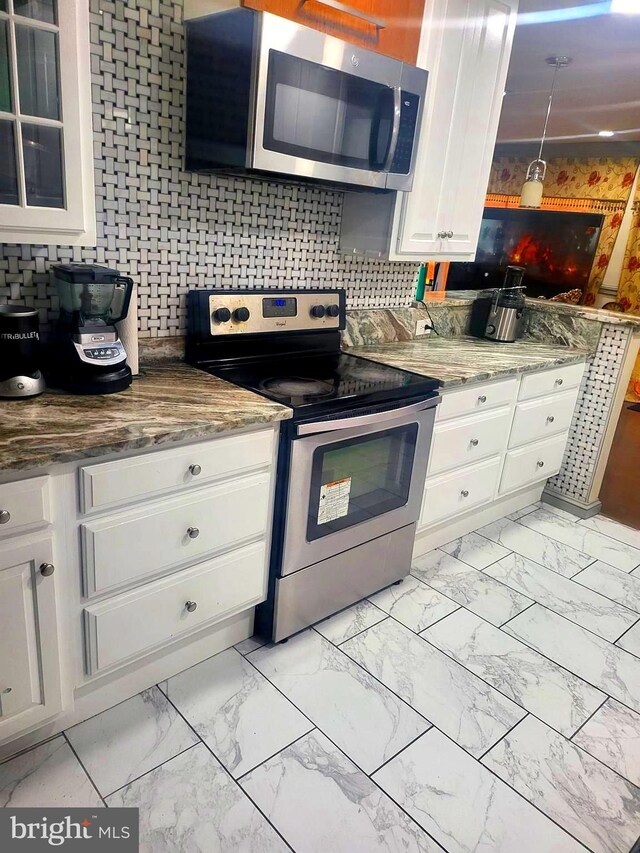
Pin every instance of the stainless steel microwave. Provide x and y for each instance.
(270, 97)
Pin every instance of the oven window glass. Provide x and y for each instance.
(358, 479)
(321, 114)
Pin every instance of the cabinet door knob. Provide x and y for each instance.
(550, 419)
(449, 234)
(474, 442)
(482, 398)
(442, 234)
(47, 569)
(465, 493)
(559, 381)
(190, 605)
(7, 690)
(540, 463)
(193, 533)
(195, 470)
(5, 516)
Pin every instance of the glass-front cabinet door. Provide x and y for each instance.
(46, 179)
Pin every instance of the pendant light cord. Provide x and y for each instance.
(561, 62)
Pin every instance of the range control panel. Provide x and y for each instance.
(246, 312)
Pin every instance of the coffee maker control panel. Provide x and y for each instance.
(105, 354)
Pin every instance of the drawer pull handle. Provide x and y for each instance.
(191, 606)
(550, 419)
(194, 470)
(559, 381)
(540, 463)
(193, 533)
(465, 493)
(482, 398)
(47, 569)
(5, 516)
(474, 442)
(7, 690)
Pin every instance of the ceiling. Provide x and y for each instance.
(600, 90)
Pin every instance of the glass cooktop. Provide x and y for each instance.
(326, 382)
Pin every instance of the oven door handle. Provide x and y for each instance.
(403, 412)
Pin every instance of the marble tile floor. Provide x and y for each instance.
(490, 703)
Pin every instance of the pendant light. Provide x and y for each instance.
(531, 194)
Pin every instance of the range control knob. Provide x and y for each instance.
(222, 315)
(333, 310)
(317, 311)
(241, 315)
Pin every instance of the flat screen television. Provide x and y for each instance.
(557, 250)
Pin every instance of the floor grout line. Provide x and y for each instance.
(582, 725)
(81, 763)
(499, 779)
(273, 755)
(511, 618)
(502, 737)
(626, 631)
(151, 769)
(224, 769)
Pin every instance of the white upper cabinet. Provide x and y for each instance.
(46, 167)
(465, 46)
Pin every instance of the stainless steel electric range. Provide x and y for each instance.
(352, 460)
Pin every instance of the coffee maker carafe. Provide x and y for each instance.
(86, 356)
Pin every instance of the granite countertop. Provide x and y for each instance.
(172, 402)
(456, 361)
(463, 297)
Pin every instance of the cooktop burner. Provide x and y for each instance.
(296, 386)
(325, 381)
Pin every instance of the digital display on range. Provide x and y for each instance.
(280, 307)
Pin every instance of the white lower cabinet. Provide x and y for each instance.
(519, 426)
(30, 686)
(127, 625)
(460, 490)
(532, 463)
(162, 557)
(463, 441)
(148, 541)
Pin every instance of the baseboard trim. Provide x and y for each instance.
(580, 510)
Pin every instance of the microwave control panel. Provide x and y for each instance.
(409, 106)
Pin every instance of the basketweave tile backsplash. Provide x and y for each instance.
(171, 230)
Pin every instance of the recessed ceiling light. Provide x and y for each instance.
(625, 7)
(606, 133)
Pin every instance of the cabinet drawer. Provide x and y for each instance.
(477, 398)
(550, 381)
(126, 548)
(24, 505)
(125, 480)
(463, 441)
(459, 491)
(532, 463)
(129, 624)
(542, 418)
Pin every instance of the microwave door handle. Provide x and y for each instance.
(402, 413)
(395, 132)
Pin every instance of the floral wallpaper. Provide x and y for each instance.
(629, 287)
(580, 178)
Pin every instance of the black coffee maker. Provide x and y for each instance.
(85, 354)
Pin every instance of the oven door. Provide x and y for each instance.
(353, 479)
(331, 111)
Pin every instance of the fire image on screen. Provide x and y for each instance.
(556, 249)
